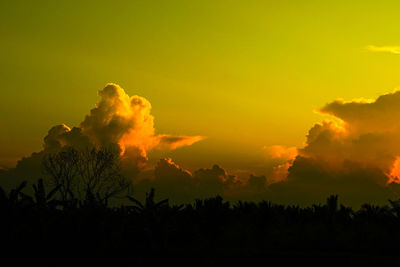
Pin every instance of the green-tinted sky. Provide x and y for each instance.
(246, 74)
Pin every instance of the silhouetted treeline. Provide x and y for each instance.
(201, 231)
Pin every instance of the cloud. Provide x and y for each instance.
(280, 158)
(388, 49)
(126, 120)
(360, 117)
(172, 181)
(281, 152)
(355, 153)
(61, 135)
(168, 172)
(311, 180)
(180, 185)
(173, 142)
(117, 120)
(369, 133)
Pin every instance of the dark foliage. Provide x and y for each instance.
(207, 232)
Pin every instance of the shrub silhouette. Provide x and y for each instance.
(40, 198)
(201, 230)
(150, 205)
(11, 200)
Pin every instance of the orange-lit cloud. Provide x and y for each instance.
(284, 157)
(281, 152)
(173, 142)
(280, 172)
(394, 174)
(126, 120)
(354, 153)
(117, 120)
(388, 49)
(369, 135)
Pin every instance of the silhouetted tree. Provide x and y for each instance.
(62, 167)
(332, 204)
(92, 174)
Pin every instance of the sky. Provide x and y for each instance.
(243, 76)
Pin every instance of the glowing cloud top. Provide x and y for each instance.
(117, 119)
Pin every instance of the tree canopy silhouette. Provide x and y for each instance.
(90, 174)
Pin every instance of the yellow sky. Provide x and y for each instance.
(244, 74)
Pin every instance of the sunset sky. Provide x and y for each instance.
(245, 76)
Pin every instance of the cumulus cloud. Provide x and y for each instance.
(117, 120)
(387, 49)
(280, 158)
(311, 180)
(281, 152)
(180, 185)
(356, 153)
(126, 120)
(369, 133)
(61, 135)
(172, 181)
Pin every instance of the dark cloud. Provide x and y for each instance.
(61, 135)
(312, 180)
(179, 185)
